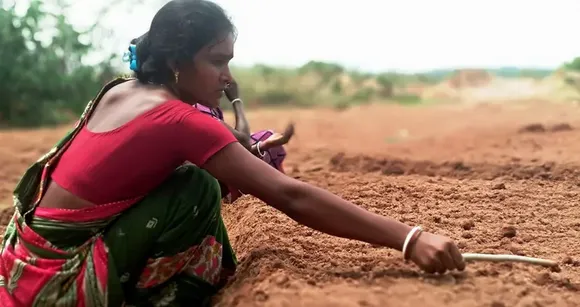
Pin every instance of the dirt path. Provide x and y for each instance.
(466, 172)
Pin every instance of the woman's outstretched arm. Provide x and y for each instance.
(321, 210)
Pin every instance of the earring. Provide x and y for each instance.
(176, 75)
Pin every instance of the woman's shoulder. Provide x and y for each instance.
(157, 105)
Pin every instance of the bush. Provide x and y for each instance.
(43, 82)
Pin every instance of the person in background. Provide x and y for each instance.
(265, 144)
(113, 216)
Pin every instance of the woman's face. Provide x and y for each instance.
(204, 80)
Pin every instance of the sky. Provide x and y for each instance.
(384, 35)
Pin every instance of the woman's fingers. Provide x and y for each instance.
(447, 261)
(436, 254)
(289, 129)
(278, 139)
(288, 132)
(457, 257)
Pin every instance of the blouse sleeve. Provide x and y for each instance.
(201, 136)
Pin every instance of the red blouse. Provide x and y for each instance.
(128, 162)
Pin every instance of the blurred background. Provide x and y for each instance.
(444, 114)
(55, 54)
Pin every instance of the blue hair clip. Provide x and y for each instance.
(131, 57)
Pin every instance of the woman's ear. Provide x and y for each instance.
(172, 65)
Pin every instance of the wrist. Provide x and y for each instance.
(395, 234)
(259, 149)
(410, 241)
(236, 100)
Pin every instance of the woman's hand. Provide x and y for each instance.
(278, 139)
(232, 92)
(436, 254)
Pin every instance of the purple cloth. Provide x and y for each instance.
(273, 156)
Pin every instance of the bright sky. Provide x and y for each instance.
(380, 35)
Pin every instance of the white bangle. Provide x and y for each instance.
(408, 240)
(237, 99)
(262, 154)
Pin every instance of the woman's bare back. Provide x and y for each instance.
(117, 107)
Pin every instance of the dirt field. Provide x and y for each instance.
(463, 171)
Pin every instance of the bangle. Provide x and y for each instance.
(237, 99)
(412, 236)
(260, 153)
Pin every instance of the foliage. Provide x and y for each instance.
(314, 83)
(573, 65)
(43, 79)
(320, 83)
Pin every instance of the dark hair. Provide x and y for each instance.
(178, 31)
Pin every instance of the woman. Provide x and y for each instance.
(112, 215)
(265, 144)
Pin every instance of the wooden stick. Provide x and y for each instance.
(509, 258)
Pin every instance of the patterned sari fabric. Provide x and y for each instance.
(274, 156)
(169, 248)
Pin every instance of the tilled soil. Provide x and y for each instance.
(496, 178)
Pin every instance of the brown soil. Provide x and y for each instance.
(537, 128)
(465, 172)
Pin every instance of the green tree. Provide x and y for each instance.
(43, 79)
(573, 65)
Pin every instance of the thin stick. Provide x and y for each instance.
(509, 258)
